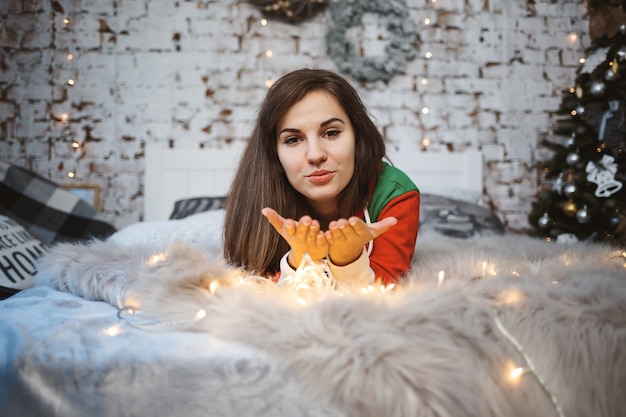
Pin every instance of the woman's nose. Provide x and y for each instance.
(316, 152)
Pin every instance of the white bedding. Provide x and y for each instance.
(62, 355)
(443, 345)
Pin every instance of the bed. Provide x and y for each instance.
(150, 321)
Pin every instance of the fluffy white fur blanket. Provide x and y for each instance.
(498, 326)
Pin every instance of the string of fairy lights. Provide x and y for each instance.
(61, 117)
(311, 285)
(64, 117)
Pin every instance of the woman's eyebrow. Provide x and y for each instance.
(323, 124)
(331, 120)
(288, 130)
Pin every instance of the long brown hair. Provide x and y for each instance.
(250, 241)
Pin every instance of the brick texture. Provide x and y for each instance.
(195, 71)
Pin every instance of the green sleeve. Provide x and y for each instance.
(391, 183)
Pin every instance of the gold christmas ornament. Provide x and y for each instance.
(570, 208)
(579, 91)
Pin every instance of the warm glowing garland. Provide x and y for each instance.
(311, 279)
(518, 372)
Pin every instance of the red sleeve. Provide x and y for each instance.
(393, 250)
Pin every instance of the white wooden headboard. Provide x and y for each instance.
(175, 173)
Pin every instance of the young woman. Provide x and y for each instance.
(312, 180)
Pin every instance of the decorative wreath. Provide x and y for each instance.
(402, 48)
(290, 11)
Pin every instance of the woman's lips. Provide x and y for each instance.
(320, 177)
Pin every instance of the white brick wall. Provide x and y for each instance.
(195, 72)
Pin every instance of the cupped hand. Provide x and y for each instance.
(303, 236)
(347, 237)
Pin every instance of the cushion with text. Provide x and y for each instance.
(19, 252)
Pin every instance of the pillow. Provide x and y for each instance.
(439, 214)
(450, 217)
(49, 212)
(19, 252)
(187, 207)
(203, 230)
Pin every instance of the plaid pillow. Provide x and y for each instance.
(46, 210)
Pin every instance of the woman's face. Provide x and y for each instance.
(316, 149)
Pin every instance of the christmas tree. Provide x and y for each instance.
(583, 197)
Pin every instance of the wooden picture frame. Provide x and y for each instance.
(89, 193)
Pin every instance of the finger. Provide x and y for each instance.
(316, 241)
(360, 228)
(336, 230)
(314, 231)
(273, 217)
(382, 226)
(302, 228)
(283, 226)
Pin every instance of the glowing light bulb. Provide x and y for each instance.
(200, 315)
(70, 56)
(70, 82)
(424, 81)
(66, 21)
(113, 330)
(425, 143)
(75, 145)
(64, 117)
(425, 110)
(427, 21)
(155, 259)
(71, 174)
(440, 278)
(269, 53)
(428, 55)
(572, 38)
(516, 373)
(269, 82)
(129, 310)
(511, 296)
(263, 22)
(582, 60)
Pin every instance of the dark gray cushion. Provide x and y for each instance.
(456, 218)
